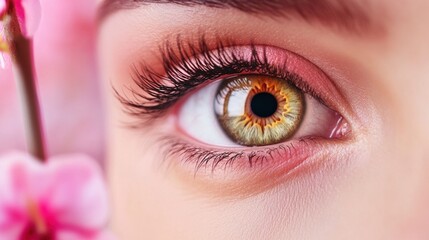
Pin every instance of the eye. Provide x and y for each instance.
(254, 110)
(219, 106)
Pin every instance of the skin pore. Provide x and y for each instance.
(372, 185)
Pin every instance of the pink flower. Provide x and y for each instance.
(2, 8)
(64, 199)
(27, 11)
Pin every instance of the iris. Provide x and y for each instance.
(258, 110)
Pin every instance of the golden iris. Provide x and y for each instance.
(256, 110)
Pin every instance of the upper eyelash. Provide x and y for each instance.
(187, 65)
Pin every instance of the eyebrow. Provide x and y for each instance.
(348, 15)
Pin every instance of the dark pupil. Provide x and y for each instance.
(263, 104)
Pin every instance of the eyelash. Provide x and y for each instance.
(205, 158)
(185, 72)
(186, 66)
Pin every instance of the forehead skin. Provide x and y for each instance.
(380, 193)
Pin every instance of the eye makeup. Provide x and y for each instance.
(187, 64)
(188, 67)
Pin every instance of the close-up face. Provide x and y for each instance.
(253, 119)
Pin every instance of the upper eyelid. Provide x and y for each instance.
(183, 56)
(173, 55)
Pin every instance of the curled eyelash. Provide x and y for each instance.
(213, 159)
(187, 65)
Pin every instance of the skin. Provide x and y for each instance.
(371, 186)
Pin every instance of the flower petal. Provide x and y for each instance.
(69, 190)
(29, 15)
(68, 235)
(77, 196)
(14, 179)
(17, 171)
(12, 232)
(2, 8)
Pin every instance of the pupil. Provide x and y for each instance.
(263, 104)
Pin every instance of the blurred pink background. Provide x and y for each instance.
(67, 81)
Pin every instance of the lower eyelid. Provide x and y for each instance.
(246, 172)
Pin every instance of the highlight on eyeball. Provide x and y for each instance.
(220, 119)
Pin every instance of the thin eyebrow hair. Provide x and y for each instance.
(346, 15)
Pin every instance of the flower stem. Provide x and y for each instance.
(21, 52)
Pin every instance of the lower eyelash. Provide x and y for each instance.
(213, 159)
